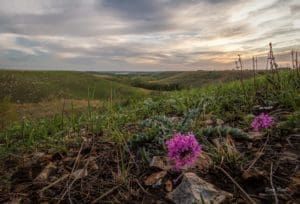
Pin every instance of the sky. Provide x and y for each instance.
(145, 35)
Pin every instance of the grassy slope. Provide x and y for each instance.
(35, 86)
(200, 78)
(146, 124)
(226, 100)
(189, 79)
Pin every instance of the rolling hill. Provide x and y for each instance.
(36, 86)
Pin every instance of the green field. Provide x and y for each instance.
(168, 81)
(36, 86)
(230, 100)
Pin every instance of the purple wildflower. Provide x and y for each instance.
(262, 121)
(183, 150)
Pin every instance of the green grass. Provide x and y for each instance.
(179, 80)
(123, 121)
(35, 86)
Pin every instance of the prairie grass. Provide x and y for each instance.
(119, 121)
(37, 86)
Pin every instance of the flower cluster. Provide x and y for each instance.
(262, 121)
(183, 150)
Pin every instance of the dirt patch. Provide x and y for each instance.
(100, 171)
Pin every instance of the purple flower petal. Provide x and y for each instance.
(183, 150)
(262, 121)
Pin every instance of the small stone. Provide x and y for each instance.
(93, 163)
(253, 173)
(219, 122)
(193, 189)
(168, 186)
(38, 155)
(209, 122)
(159, 162)
(154, 178)
(44, 174)
(80, 173)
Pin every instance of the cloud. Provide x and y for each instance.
(143, 34)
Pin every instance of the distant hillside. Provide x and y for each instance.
(35, 86)
(200, 78)
(168, 81)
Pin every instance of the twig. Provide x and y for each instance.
(272, 185)
(54, 183)
(245, 195)
(258, 155)
(106, 193)
(179, 177)
(130, 154)
(289, 141)
(143, 189)
(68, 187)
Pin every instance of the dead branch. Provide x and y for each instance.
(106, 193)
(272, 185)
(260, 152)
(244, 193)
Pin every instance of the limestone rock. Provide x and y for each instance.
(168, 186)
(160, 162)
(193, 189)
(80, 173)
(154, 178)
(219, 122)
(44, 174)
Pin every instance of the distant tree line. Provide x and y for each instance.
(156, 86)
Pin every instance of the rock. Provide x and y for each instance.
(93, 163)
(204, 162)
(253, 174)
(256, 135)
(168, 186)
(209, 122)
(80, 173)
(154, 178)
(44, 174)
(193, 189)
(159, 162)
(219, 122)
(38, 155)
